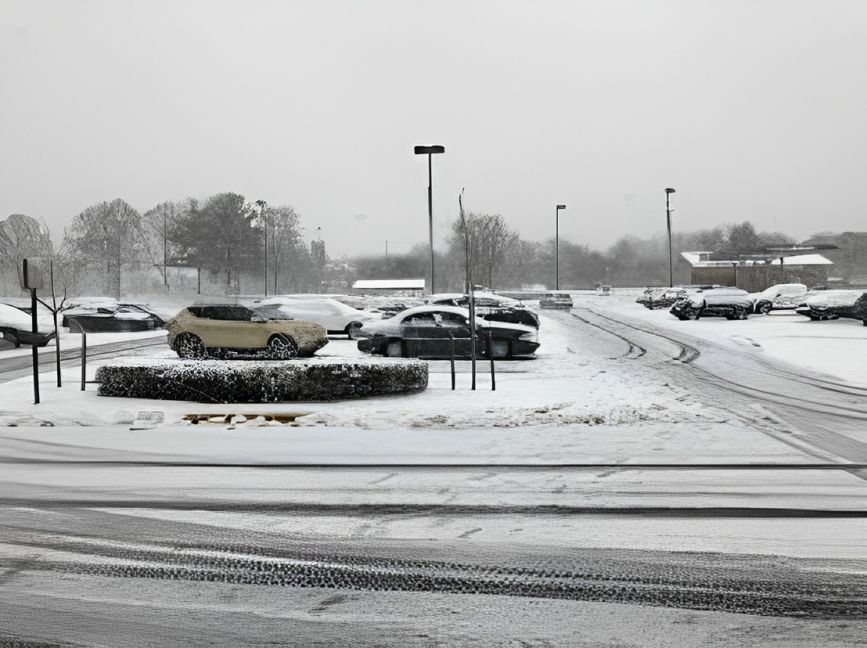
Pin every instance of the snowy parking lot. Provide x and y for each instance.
(632, 445)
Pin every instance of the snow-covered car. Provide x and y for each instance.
(336, 317)
(490, 307)
(112, 317)
(556, 301)
(654, 298)
(429, 331)
(731, 303)
(227, 330)
(16, 327)
(833, 304)
(780, 297)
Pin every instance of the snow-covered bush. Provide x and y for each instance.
(231, 381)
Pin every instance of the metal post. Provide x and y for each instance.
(265, 232)
(452, 358)
(668, 193)
(83, 357)
(430, 219)
(54, 318)
(165, 250)
(35, 349)
(491, 354)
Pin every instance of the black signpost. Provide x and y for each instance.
(31, 280)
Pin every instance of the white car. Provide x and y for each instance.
(779, 297)
(331, 314)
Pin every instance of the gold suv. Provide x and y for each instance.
(226, 330)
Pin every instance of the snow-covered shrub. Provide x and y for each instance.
(228, 381)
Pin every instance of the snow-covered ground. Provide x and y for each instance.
(580, 401)
(833, 347)
(562, 386)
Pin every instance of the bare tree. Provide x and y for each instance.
(21, 237)
(106, 236)
(157, 226)
(489, 238)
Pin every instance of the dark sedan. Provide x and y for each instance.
(833, 304)
(430, 332)
(115, 318)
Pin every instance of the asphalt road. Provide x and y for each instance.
(143, 552)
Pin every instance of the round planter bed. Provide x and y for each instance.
(260, 381)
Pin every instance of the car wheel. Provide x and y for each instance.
(764, 308)
(501, 348)
(282, 347)
(394, 349)
(352, 330)
(189, 346)
(744, 314)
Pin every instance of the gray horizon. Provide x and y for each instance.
(751, 110)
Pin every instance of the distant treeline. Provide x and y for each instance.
(110, 248)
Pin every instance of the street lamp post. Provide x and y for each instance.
(262, 207)
(668, 193)
(557, 246)
(430, 150)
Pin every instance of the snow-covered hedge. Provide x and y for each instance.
(236, 381)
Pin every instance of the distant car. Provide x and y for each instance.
(336, 317)
(428, 331)
(491, 307)
(654, 298)
(603, 290)
(780, 297)
(226, 330)
(731, 303)
(16, 327)
(115, 318)
(556, 301)
(833, 304)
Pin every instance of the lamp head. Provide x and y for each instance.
(559, 207)
(669, 190)
(429, 150)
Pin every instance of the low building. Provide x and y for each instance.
(755, 274)
(392, 287)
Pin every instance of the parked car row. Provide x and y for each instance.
(288, 327)
(693, 302)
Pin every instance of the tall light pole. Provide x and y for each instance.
(557, 246)
(668, 192)
(262, 207)
(429, 151)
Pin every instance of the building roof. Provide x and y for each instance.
(702, 260)
(388, 284)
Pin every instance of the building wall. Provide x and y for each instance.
(760, 277)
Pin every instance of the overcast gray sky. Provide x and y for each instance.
(751, 109)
